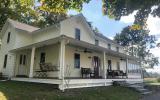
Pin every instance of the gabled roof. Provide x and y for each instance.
(17, 25)
(22, 26)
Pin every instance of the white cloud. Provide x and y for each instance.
(153, 25)
(128, 19)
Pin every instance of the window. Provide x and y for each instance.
(77, 33)
(5, 61)
(96, 42)
(22, 60)
(43, 57)
(109, 46)
(8, 38)
(118, 66)
(77, 60)
(109, 65)
(117, 49)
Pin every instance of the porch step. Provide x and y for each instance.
(136, 86)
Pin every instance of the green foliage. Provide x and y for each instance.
(61, 6)
(158, 80)
(138, 43)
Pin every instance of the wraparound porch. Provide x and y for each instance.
(60, 52)
(78, 83)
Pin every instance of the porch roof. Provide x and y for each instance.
(90, 46)
(74, 42)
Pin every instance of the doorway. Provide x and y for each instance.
(96, 65)
(22, 65)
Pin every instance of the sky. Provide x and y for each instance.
(109, 27)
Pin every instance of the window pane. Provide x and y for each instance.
(8, 38)
(24, 59)
(77, 34)
(117, 48)
(77, 60)
(43, 57)
(21, 59)
(96, 42)
(109, 46)
(5, 61)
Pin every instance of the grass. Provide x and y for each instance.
(152, 81)
(11, 90)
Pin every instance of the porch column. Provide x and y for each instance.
(32, 62)
(62, 63)
(104, 65)
(127, 67)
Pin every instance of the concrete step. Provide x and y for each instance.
(147, 92)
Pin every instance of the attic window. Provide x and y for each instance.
(117, 49)
(96, 42)
(109, 46)
(8, 37)
(77, 34)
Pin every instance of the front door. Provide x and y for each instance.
(22, 65)
(96, 64)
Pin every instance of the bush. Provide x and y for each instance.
(158, 80)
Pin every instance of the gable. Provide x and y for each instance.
(68, 27)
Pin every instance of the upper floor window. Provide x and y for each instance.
(117, 49)
(77, 60)
(8, 37)
(77, 33)
(109, 46)
(5, 61)
(96, 42)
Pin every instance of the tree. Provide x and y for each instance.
(61, 6)
(137, 43)
(21, 10)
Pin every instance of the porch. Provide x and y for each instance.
(77, 83)
(70, 57)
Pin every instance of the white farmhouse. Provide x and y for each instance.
(69, 54)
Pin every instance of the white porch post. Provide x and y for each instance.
(62, 63)
(127, 67)
(32, 62)
(104, 65)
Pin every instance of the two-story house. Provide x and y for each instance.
(68, 53)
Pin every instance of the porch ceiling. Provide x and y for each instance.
(99, 49)
(78, 43)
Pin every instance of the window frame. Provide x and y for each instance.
(109, 46)
(43, 60)
(77, 60)
(8, 37)
(117, 49)
(96, 42)
(5, 61)
(77, 34)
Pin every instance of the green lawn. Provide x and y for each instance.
(30, 91)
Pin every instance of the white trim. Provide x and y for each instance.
(62, 63)
(32, 62)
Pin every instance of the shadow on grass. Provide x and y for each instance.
(33, 91)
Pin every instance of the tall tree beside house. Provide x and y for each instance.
(137, 43)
